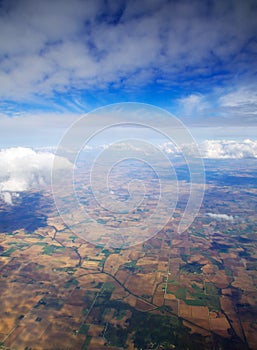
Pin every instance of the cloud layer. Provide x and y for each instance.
(23, 169)
(212, 149)
(56, 46)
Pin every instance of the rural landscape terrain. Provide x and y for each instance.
(195, 290)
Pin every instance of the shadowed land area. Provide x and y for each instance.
(29, 212)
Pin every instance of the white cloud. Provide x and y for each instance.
(216, 149)
(221, 149)
(212, 149)
(241, 103)
(50, 46)
(193, 105)
(221, 216)
(23, 169)
(169, 148)
(239, 98)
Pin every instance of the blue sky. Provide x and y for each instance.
(61, 58)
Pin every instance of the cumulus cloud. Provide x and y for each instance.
(216, 149)
(222, 149)
(23, 169)
(221, 216)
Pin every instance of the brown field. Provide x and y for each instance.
(147, 263)
(220, 279)
(11, 340)
(75, 298)
(33, 251)
(88, 252)
(200, 312)
(170, 296)
(88, 280)
(173, 304)
(171, 288)
(95, 330)
(131, 300)
(203, 323)
(71, 310)
(185, 310)
(97, 343)
(56, 340)
(227, 291)
(198, 258)
(141, 284)
(154, 243)
(228, 307)
(91, 265)
(220, 326)
(10, 303)
(4, 260)
(174, 264)
(56, 222)
(250, 298)
(122, 275)
(158, 297)
(113, 262)
(7, 323)
(159, 276)
(250, 329)
(134, 254)
(243, 281)
(199, 315)
(119, 293)
(209, 269)
(142, 305)
(163, 266)
(29, 332)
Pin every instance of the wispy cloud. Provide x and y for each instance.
(241, 103)
(240, 98)
(193, 105)
(224, 106)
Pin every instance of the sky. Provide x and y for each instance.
(60, 59)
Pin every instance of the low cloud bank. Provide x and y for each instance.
(212, 149)
(216, 149)
(23, 169)
(229, 149)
